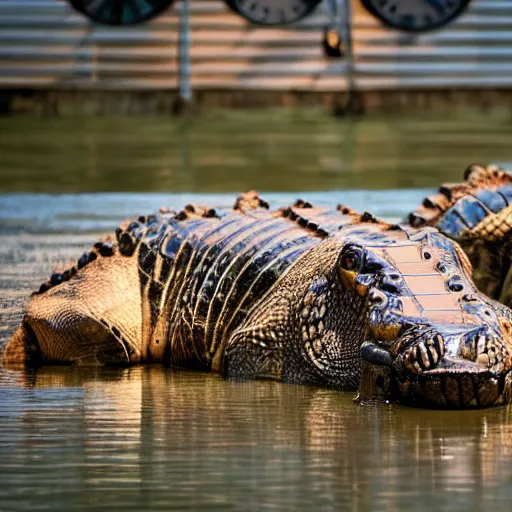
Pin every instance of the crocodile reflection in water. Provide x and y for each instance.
(144, 419)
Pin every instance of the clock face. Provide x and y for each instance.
(120, 12)
(415, 15)
(273, 12)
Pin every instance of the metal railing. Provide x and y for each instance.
(45, 44)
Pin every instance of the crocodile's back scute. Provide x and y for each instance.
(200, 276)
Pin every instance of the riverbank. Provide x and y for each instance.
(91, 103)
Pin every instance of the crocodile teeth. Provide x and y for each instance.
(438, 339)
(492, 356)
(433, 354)
(411, 364)
(424, 355)
(422, 350)
(480, 347)
(483, 359)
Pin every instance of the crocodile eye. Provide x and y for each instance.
(427, 255)
(351, 260)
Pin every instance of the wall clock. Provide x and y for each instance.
(416, 15)
(120, 12)
(272, 12)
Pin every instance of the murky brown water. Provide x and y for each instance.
(149, 438)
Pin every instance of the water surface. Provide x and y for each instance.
(150, 438)
(281, 151)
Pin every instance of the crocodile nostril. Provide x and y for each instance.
(455, 284)
(373, 264)
(374, 299)
(377, 298)
(441, 267)
(390, 287)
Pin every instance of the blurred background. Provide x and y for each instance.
(448, 53)
(221, 96)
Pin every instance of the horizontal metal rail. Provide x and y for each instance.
(44, 43)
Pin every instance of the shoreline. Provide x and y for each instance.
(95, 102)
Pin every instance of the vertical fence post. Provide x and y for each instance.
(185, 93)
(94, 63)
(354, 105)
(346, 30)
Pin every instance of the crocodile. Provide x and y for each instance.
(299, 295)
(478, 215)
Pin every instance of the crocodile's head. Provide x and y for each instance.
(478, 215)
(432, 339)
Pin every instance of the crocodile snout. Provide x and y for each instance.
(440, 365)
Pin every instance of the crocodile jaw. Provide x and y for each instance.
(455, 382)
